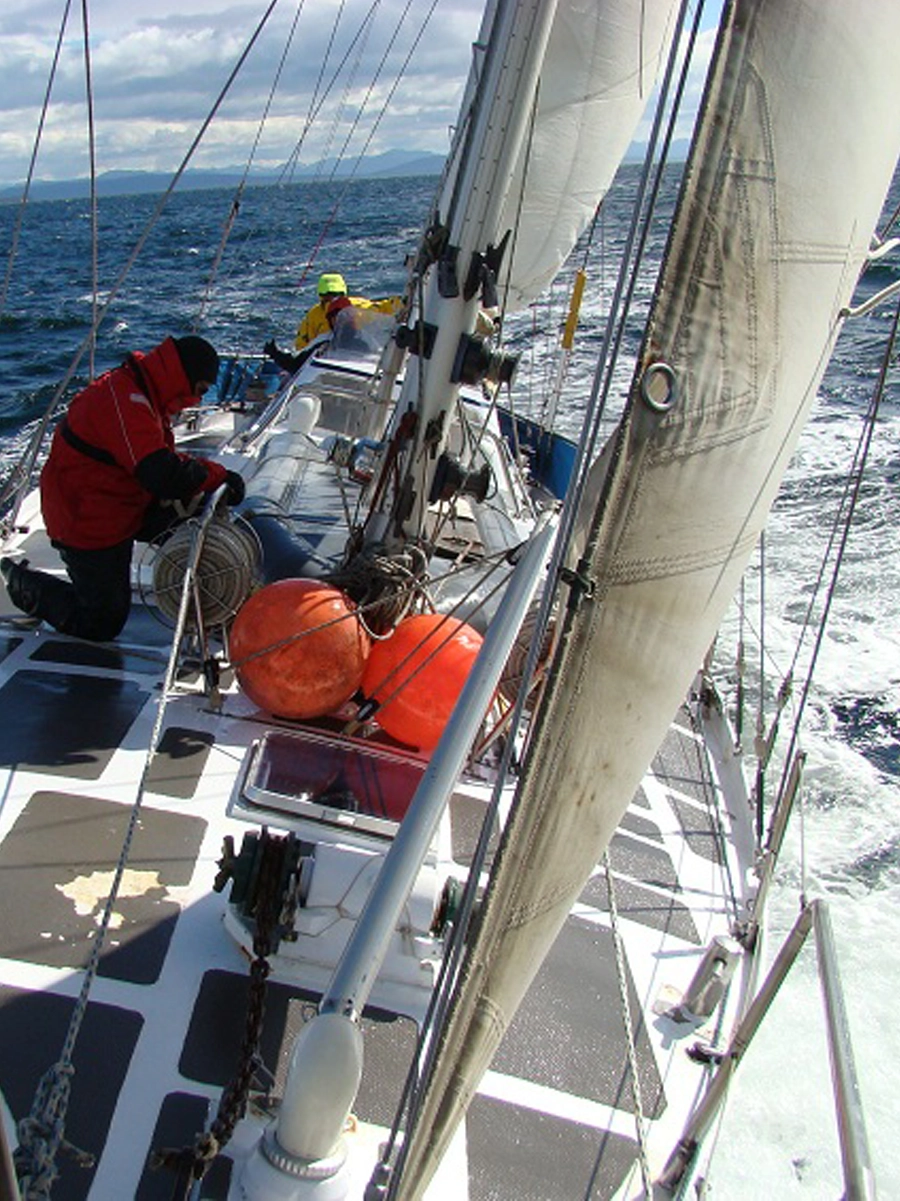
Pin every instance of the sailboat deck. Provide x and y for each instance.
(553, 1115)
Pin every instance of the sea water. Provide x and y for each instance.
(780, 1137)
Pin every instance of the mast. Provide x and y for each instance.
(462, 255)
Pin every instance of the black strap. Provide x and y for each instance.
(85, 448)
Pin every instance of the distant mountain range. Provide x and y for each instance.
(393, 164)
(390, 165)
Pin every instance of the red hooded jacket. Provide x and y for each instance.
(91, 497)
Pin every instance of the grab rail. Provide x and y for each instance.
(859, 1179)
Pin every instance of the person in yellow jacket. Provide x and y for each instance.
(318, 320)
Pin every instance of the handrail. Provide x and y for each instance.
(859, 1179)
(859, 1175)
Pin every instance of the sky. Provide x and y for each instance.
(158, 66)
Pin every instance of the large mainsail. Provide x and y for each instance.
(794, 153)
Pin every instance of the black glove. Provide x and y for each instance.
(234, 488)
(282, 358)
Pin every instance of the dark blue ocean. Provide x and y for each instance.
(847, 847)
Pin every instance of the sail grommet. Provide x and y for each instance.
(659, 387)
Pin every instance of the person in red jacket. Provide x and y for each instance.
(111, 469)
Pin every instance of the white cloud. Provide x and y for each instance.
(158, 66)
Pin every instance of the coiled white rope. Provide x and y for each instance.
(227, 570)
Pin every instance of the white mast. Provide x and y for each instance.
(469, 211)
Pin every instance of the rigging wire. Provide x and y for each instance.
(622, 977)
(41, 1133)
(315, 104)
(288, 168)
(15, 485)
(387, 100)
(843, 524)
(92, 156)
(632, 256)
(358, 44)
(450, 967)
(239, 191)
(13, 250)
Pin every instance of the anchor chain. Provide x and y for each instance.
(192, 1163)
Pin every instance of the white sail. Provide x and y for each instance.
(794, 154)
(598, 75)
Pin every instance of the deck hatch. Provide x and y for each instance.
(343, 784)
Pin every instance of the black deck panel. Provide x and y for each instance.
(212, 1045)
(180, 1117)
(466, 819)
(519, 1154)
(650, 864)
(680, 765)
(179, 762)
(59, 838)
(568, 1035)
(640, 798)
(698, 828)
(50, 718)
(107, 656)
(9, 643)
(635, 823)
(32, 1031)
(658, 910)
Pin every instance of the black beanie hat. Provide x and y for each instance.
(198, 358)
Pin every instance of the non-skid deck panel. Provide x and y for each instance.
(640, 798)
(658, 910)
(650, 864)
(65, 724)
(56, 866)
(466, 818)
(33, 1028)
(699, 829)
(636, 823)
(179, 762)
(182, 1115)
(519, 1154)
(680, 765)
(569, 1032)
(210, 1052)
(106, 657)
(8, 644)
